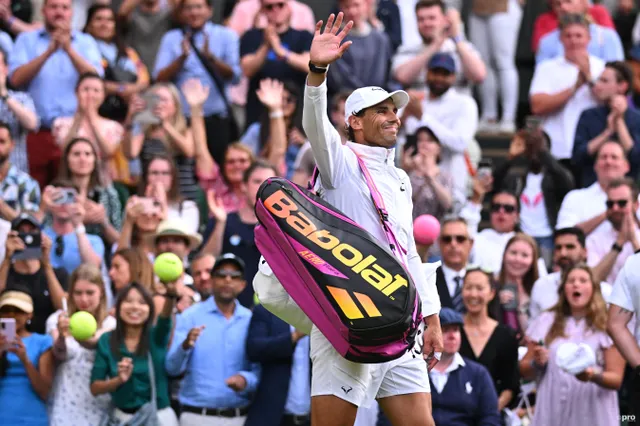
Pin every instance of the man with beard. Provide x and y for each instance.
(569, 249)
(201, 267)
(451, 116)
(611, 243)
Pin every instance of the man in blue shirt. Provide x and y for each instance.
(47, 63)
(218, 46)
(209, 348)
(283, 397)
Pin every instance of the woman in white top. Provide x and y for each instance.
(71, 402)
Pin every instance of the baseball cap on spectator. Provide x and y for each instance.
(450, 317)
(442, 61)
(175, 228)
(17, 299)
(24, 218)
(228, 258)
(367, 97)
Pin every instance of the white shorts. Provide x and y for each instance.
(361, 384)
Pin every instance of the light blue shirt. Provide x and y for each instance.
(218, 354)
(223, 44)
(53, 87)
(605, 44)
(71, 258)
(6, 44)
(299, 396)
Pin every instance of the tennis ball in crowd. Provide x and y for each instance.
(256, 301)
(168, 267)
(426, 229)
(82, 325)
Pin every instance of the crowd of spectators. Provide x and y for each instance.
(133, 128)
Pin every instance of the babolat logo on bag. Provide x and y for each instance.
(352, 288)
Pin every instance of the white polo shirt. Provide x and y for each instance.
(626, 290)
(599, 243)
(554, 76)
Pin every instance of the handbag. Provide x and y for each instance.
(147, 415)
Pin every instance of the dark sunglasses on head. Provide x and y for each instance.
(59, 242)
(273, 6)
(508, 208)
(621, 203)
(230, 274)
(447, 239)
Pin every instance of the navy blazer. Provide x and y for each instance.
(269, 343)
(443, 290)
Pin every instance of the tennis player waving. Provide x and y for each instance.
(340, 386)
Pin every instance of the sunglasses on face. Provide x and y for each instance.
(620, 203)
(508, 208)
(274, 6)
(59, 243)
(448, 239)
(230, 274)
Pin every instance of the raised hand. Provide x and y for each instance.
(13, 244)
(195, 92)
(270, 94)
(327, 46)
(125, 369)
(192, 337)
(216, 207)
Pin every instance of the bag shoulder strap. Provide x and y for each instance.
(152, 378)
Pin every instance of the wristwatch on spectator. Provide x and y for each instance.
(318, 70)
(616, 247)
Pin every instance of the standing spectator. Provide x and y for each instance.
(215, 63)
(560, 92)
(439, 34)
(234, 232)
(27, 366)
(283, 396)
(278, 52)
(125, 355)
(455, 246)
(462, 390)
(20, 193)
(209, 347)
(71, 402)
(612, 119)
(248, 14)
(19, 113)
(384, 15)
(45, 284)
(48, 63)
(367, 61)
(201, 266)
(494, 27)
(580, 317)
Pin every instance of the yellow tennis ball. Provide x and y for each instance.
(168, 267)
(256, 301)
(82, 325)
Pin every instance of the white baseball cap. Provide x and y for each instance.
(366, 97)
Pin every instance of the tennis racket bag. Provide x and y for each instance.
(355, 290)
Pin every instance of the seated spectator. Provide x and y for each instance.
(439, 34)
(429, 183)
(171, 136)
(20, 192)
(103, 211)
(518, 273)
(548, 21)
(141, 219)
(455, 245)
(234, 232)
(45, 284)
(462, 390)
(494, 28)
(283, 395)
(487, 341)
(19, 113)
(560, 91)
(87, 123)
(67, 229)
(586, 208)
(278, 52)
(201, 266)
(604, 43)
(451, 116)
(617, 238)
(579, 317)
(366, 62)
(214, 332)
(569, 249)
(124, 73)
(125, 356)
(26, 367)
(612, 119)
(71, 401)
(278, 136)
(160, 183)
(129, 265)
(539, 181)
(48, 63)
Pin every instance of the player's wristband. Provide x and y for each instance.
(318, 70)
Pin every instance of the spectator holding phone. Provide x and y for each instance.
(27, 365)
(129, 362)
(26, 267)
(142, 217)
(580, 317)
(71, 401)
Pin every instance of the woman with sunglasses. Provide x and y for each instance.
(486, 340)
(27, 365)
(124, 356)
(71, 402)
